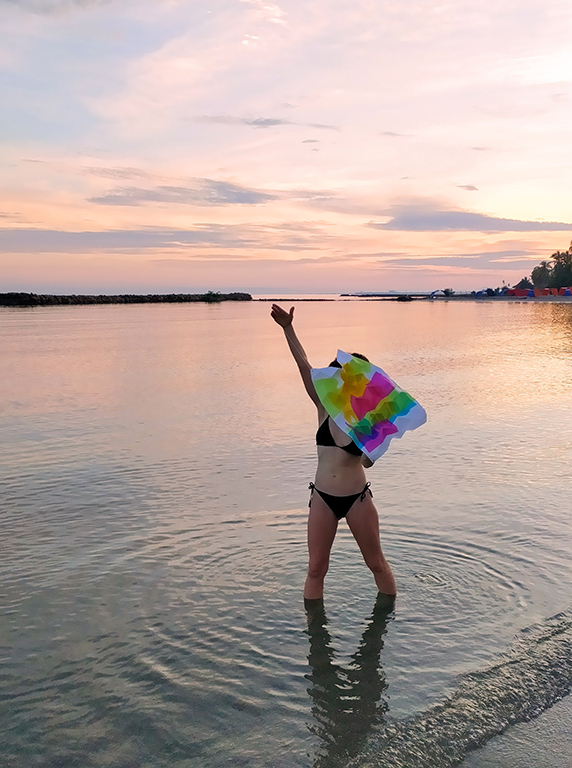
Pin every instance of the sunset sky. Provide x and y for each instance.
(306, 146)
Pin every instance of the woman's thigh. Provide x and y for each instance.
(363, 522)
(322, 527)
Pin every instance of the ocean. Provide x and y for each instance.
(153, 476)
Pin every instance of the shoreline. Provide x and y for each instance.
(406, 298)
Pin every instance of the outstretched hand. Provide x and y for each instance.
(282, 317)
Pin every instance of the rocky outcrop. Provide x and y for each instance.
(47, 300)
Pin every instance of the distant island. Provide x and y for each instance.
(15, 299)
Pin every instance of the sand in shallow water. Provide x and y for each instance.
(543, 743)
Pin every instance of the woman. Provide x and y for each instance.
(339, 490)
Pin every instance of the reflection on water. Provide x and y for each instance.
(347, 703)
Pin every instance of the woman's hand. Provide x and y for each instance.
(282, 317)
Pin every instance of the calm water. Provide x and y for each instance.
(154, 471)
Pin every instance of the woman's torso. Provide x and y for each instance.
(339, 472)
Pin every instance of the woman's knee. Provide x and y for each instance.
(377, 564)
(318, 569)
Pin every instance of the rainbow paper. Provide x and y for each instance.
(366, 404)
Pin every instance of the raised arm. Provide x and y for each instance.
(284, 319)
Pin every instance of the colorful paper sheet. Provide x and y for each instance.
(366, 404)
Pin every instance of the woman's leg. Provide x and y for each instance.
(322, 527)
(364, 524)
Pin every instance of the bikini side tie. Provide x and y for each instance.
(366, 490)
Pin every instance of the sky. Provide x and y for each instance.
(309, 146)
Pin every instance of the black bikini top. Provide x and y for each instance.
(324, 437)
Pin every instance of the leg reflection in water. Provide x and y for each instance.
(347, 703)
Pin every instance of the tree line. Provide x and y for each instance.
(555, 272)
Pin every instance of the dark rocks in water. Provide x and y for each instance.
(46, 300)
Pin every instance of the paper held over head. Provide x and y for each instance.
(366, 404)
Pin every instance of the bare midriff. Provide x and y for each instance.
(338, 472)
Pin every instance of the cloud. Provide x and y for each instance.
(268, 11)
(59, 241)
(260, 122)
(394, 134)
(488, 259)
(421, 218)
(468, 187)
(277, 237)
(118, 172)
(312, 195)
(206, 192)
(54, 7)
(311, 141)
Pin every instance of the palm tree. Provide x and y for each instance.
(541, 274)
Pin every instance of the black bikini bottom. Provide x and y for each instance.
(340, 505)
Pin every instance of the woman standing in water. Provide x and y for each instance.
(339, 490)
